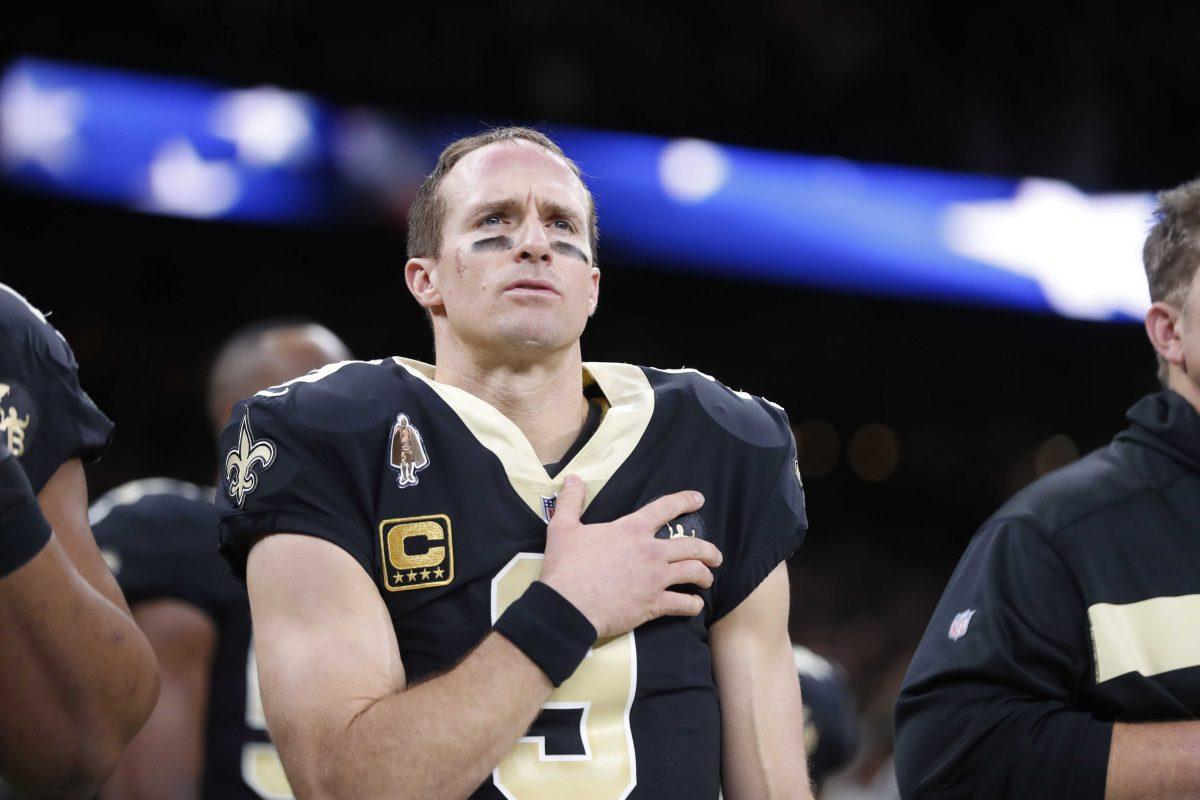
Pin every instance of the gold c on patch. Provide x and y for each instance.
(417, 552)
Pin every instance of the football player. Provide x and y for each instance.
(830, 719)
(77, 678)
(512, 573)
(207, 737)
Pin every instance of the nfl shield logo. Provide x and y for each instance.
(548, 504)
(958, 628)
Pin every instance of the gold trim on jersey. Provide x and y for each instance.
(1148, 637)
(631, 404)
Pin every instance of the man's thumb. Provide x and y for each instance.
(569, 505)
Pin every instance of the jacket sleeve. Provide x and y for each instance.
(987, 706)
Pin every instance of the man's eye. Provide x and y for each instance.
(564, 225)
(492, 219)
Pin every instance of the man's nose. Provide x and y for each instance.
(532, 242)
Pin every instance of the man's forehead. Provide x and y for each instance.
(512, 168)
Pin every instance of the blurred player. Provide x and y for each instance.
(207, 737)
(395, 514)
(77, 678)
(1063, 660)
(830, 722)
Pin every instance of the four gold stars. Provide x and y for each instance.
(412, 575)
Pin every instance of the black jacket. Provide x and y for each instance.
(1075, 605)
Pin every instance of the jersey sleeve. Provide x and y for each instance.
(766, 519)
(283, 473)
(986, 708)
(46, 418)
(165, 548)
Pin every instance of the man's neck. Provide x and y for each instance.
(1179, 383)
(542, 397)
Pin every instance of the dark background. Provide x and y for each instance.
(1104, 98)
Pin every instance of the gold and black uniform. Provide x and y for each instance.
(450, 524)
(46, 418)
(157, 536)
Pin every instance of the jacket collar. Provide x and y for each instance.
(1166, 422)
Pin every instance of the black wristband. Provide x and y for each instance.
(546, 627)
(23, 529)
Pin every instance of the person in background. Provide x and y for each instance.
(77, 677)
(872, 773)
(830, 720)
(1063, 660)
(207, 736)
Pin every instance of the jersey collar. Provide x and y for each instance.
(631, 404)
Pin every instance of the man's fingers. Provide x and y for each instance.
(657, 513)
(682, 572)
(684, 548)
(678, 604)
(569, 504)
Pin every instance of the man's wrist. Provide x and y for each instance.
(549, 630)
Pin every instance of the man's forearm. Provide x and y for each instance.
(166, 758)
(64, 502)
(440, 738)
(1154, 760)
(77, 672)
(762, 717)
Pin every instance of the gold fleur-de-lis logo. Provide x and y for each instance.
(239, 462)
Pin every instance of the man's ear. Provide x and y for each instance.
(594, 296)
(1163, 322)
(421, 276)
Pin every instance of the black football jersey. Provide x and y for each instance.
(46, 418)
(443, 502)
(159, 538)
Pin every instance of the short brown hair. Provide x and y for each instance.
(427, 214)
(1172, 250)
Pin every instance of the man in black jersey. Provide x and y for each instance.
(1063, 660)
(830, 719)
(207, 736)
(502, 576)
(77, 678)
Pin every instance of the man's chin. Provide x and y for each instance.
(530, 335)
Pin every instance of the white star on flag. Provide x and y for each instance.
(1083, 250)
(38, 125)
(269, 126)
(181, 182)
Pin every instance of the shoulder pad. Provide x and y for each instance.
(750, 418)
(343, 397)
(134, 493)
(18, 315)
